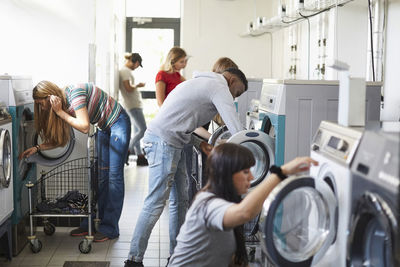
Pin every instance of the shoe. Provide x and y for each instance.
(78, 232)
(129, 263)
(142, 161)
(127, 158)
(99, 237)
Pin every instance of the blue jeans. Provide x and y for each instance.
(112, 149)
(167, 178)
(139, 124)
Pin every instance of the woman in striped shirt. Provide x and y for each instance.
(79, 106)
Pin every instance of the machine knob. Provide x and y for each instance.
(343, 146)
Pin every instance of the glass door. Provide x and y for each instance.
(152, 38)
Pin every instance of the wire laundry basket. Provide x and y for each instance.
(68, 190)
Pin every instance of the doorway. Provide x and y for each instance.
(152, 38)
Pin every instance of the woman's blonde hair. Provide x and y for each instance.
(51, 128)
(224, 63)
(174, 55)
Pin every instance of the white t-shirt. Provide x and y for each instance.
(202, 240)
(132, 99)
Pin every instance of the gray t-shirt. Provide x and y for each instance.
(192, 104)
(202, 239)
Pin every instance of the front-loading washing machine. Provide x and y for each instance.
(292, 110)
(16, 94)
(304, 219)
(374, 226)
(6, 172)
(334, 147)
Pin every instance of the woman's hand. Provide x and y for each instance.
(56, 104)
(27, 153)
(299, 164)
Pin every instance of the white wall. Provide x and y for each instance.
(210, 29)
(49, 39)
(391, 110)
(46, 39)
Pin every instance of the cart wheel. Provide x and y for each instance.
(36, 245)
(49, 228)
(85, 247)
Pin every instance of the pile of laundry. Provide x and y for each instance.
(73, 202)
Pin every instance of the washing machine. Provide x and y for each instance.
(6, 172)
(374, 226)
(244, 101)
(292, 110)
(304, 219)
(17, 96)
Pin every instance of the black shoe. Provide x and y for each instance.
(127, 158)
(129, 263)
(142, 161)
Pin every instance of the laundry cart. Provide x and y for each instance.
(68, 190)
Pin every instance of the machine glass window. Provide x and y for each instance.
(301, 224)
(262, 162)
(333, 142)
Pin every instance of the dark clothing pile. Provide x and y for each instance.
(72, 202)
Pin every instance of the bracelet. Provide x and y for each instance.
(37, 148)
(278, 171)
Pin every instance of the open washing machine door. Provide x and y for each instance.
(262, 146)
(297, 224)
(5, 158)
(55, 156)
(221, 133)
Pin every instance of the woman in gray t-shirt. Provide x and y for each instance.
(212, 234)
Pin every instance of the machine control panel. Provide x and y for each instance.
(337, 141)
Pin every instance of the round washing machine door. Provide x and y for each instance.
(5, 158)
(221, 133)
(297, 223)
(262, 146)
(374, 229)
(53, 157)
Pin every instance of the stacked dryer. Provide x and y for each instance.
(374, 226)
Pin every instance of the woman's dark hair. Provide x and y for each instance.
(224, 161)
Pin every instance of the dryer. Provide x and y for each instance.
(374, 227)
(304, 219)
(292, 110)
(6, 172)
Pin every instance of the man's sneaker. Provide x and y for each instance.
(129, 263)
(78, 232)
(141, 161)
(99, 237)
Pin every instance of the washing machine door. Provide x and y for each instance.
(26, 127)
(221, 133)
(5, 158)
(297, 223)
(262, 146)
(53, 157)
(374, 229)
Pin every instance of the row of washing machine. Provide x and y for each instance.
(18, 106)
(345, 211)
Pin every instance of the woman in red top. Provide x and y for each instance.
(169, 77)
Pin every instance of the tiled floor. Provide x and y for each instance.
(61, 247)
